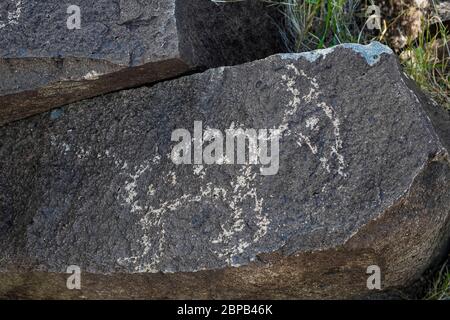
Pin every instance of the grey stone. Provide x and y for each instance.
(121, 44)
(363, 180)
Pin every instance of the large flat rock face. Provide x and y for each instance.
(119, 44)
(362, 179)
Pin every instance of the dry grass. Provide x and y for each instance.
(316, 24)
(440, 288)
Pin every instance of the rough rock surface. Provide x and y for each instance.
(121, 44)
(363, 180)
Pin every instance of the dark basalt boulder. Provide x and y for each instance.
(363, 179)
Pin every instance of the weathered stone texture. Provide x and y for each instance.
(121, 44)
(363, 180)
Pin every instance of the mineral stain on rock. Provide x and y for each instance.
(363, 180)
(371, 52)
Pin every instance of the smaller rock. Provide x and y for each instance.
(48, 58)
